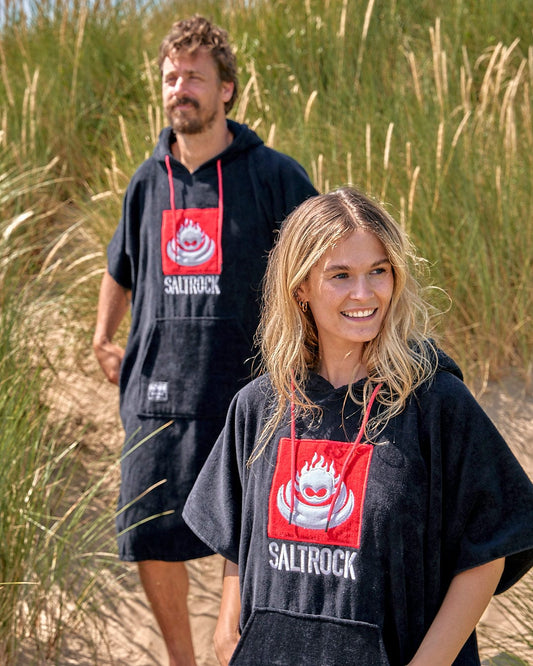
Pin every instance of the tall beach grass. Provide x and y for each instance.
(426, 106)
(56, 546)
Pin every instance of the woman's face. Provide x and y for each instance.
(349, 292)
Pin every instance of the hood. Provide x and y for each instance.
(319, 388)
(244, 139)
(447, 364)
(320, 391)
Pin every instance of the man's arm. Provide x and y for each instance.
(467, 598)
(113, 304)
(227, 631)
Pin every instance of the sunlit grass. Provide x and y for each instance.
(55, 534)
(53, 542)
(427, 106)
(438, 126)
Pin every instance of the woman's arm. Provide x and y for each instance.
(227, 630)
(466, 600)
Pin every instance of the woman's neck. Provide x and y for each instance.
(340, 372)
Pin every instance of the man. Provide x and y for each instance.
(198, 220)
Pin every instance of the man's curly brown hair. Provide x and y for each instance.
(197, 32)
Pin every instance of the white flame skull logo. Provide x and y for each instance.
(191, 246)
(315, 486)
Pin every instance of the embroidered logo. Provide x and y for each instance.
(190, 242)
(190, 246)
(316, 482)
(315, 486)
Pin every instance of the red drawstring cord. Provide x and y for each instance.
(172, 201)
(293, 448)
(346, 462)
(220, 197)
(170, 183)
(220, 203)
(352, 452)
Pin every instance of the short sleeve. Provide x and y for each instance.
(487, 495)
(295, 186)
(118, 262)
(123, 249)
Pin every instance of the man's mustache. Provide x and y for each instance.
(186, 100)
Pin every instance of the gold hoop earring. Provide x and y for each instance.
(303, 305)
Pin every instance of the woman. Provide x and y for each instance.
(366, 505)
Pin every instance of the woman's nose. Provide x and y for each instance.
(360, 288)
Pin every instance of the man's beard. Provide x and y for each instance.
(183, 123)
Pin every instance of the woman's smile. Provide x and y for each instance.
(359, 314)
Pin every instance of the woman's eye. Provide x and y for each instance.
(340, 276)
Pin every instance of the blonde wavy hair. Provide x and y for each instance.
(401, 356)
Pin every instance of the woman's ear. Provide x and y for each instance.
(301, 293)
(301, 297)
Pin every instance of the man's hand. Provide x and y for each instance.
(113, 304)
(109, 357)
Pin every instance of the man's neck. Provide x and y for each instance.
(193, 150)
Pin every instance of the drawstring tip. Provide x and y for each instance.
(327, 526)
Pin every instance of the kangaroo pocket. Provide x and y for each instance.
(192, 367)
(273, 637)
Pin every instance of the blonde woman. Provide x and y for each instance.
(367, 507)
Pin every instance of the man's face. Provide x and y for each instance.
(193, 94)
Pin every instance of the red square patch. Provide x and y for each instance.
(191, 242)
(318, 470)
